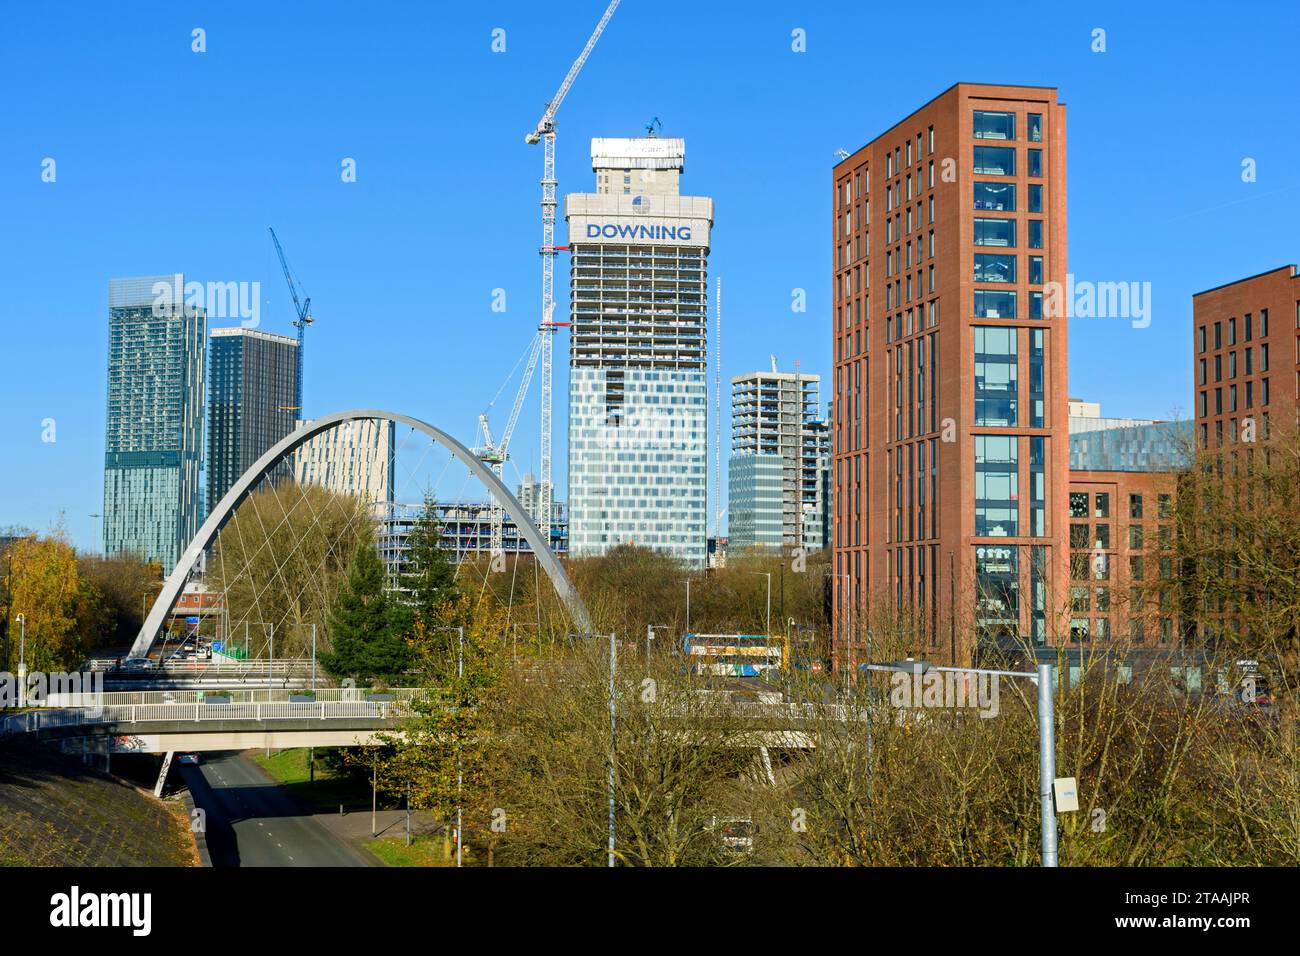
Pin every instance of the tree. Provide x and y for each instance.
(280, 560)
(364, 641)
(63, 611)
(128, 584)
(428, 578)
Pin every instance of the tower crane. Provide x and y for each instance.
(302, 309)
(544, 133)
(494, 453)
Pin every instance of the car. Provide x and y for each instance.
(191, 760)
(137, 664)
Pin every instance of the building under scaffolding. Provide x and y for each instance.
(466, 532)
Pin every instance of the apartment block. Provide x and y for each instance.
(950, 435)
(153, 449)
(776, 423)
(252, 396)
(1246, 351)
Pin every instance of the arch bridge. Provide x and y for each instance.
(281, 450)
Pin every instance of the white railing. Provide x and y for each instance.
(242, 695)
(198, 713)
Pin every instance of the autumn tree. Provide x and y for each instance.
(280, 559)
(63, 610)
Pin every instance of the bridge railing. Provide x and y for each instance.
(30, 721)
(241, 695)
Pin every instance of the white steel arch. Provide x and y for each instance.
(175, 583)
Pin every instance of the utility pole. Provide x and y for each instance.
(22, 658)
(1047, 761)
(460, 775)
(613, 737)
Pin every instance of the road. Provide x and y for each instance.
(253, 822)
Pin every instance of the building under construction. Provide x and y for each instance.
(638, 383)
(780, 462)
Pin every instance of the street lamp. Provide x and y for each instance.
(688, 605)
(1045, 678)
(22, 658)
(768, 575)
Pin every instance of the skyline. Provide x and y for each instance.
(427, 203)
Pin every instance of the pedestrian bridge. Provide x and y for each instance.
(204, 725)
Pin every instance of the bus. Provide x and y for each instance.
(734, 655)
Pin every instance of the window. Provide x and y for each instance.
(1035, 197)
(1037, 396)
(1035, 127)
(1079, 537)
(995, 232)
(996, 497)
(1079, 504)
(996, 387)
(1135, 537)
(997, 591)
(1103, 505)
(995, 161)
(994, 305)
(999, 197)
(1200, 339)
(1035, 305)
(991, 267)
(990, 125)
(1035, 270)
(1080, 599)
(1036, 163)
(1103, 536)
(1035, 234)
(1135, 506)
(1136, 567)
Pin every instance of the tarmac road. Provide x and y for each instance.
(253, 822)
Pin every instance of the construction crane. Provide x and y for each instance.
(301, 308)
(544, 133)
(494, 453)
(651, 126)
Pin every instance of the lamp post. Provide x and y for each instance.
(768, 575)
(688, 605)
(613, 738)
(1045, 678)
(460, 771)
(22, 658)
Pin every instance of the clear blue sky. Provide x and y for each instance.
(168, 160)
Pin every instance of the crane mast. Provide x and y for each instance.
(544, 133)
(302, 309)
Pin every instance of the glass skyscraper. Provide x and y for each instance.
(638, 380)
(153, 498)
(252, 384)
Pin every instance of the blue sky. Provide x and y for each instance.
(170, 160)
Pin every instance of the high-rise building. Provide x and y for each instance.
(353, 458)
(1246, 352)
(638, 388)
(252, 384)
(755, 501)
(950, 471)
(153, 451)
(777, 415)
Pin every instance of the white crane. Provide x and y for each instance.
(495, 453)
(545, 134)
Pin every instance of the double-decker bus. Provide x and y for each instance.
(734, 655)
